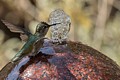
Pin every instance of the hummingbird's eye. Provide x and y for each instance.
(41, 27)
(38, 28)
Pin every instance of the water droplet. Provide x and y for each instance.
(59, 31)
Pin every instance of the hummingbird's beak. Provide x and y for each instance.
(53, 24)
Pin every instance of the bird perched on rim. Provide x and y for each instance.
(41, 31)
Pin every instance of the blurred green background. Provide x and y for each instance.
(94, 22)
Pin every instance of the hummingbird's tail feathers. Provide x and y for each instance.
(14, 59)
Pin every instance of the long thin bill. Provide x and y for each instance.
(54, 24)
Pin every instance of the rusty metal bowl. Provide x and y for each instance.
(66, 61)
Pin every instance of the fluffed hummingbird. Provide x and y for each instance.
(41, 30)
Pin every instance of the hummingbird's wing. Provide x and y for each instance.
(24, 37)
(24, 34)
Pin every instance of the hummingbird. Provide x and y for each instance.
(41, 31)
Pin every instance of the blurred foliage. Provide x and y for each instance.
(94, 22)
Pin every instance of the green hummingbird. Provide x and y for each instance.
(41, 30)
